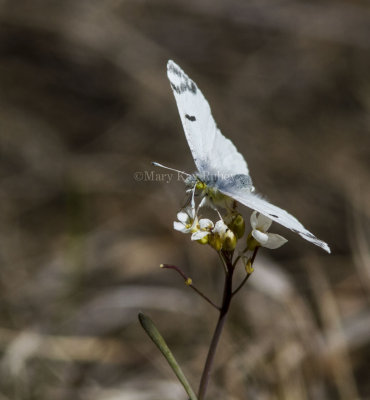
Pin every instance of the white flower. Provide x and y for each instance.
(204, 228)
(260, 225)
(220, 228)
(188, 221)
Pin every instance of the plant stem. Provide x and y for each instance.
(248, 274)
(188, 282)
(218, 330)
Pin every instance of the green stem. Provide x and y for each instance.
(218, 330)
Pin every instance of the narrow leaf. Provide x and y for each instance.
(158, 340)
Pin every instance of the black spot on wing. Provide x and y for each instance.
(273, 215)
(175, 88)
(185, 85)
(190, 117)
(172, 68)
(193, 87)
(188, 86)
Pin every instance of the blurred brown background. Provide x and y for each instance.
(85, 103)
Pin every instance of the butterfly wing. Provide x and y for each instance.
(212, 152)
(275, 213)
(215, 154)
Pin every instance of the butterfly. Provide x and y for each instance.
(220, 166)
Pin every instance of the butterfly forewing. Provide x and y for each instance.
(212, 152)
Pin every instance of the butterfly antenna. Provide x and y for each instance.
(171, 169)
(192, 198)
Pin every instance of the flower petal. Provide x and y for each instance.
(205, 223)
(261, 237)
(179, 227)
(191, 210)
(274, 241)
(199, 235)
(254, 220)
(220, 227)
(263, 223)
(183, 217)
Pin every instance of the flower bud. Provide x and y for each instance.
(204, 240)
(238, 226)
(248, 267)
(215, 241)
(229, 241)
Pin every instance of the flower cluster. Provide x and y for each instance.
(203, 230)
(224, 233)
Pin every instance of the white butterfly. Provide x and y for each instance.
(220, 166)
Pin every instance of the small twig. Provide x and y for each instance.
(248, 274)
(239, 257)
(223, 261)
(254, 254)
(241, 284)
(189, 282)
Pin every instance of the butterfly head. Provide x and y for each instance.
(207, 186)
(200, 182)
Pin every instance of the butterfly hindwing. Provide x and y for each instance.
(273, 212)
